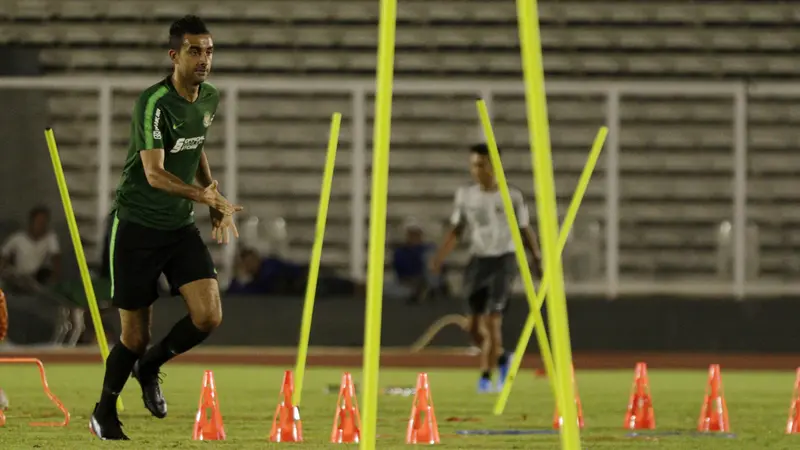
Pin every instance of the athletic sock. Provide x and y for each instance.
(118, 368)
(486, 375)
(181, 338)
(503, 359)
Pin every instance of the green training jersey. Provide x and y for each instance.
(164, 119)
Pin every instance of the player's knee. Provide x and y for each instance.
(207, 320)
(136, 340)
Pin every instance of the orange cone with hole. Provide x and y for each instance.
(714, 412)
(286, 425)
(208, 424)
(640, 414)
(346, 420)
(422, 425)
(557, 419)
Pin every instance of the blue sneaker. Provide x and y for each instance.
(485, 385)
(503, 371)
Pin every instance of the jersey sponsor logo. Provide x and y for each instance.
(184, 144)
(156, 130)
(177, 125)
(207, 119)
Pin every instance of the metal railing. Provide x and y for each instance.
(733, 241)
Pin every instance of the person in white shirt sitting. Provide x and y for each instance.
(31, 258)
(30, 267)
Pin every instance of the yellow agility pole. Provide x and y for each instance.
(532, 320)
(316, 256)
(76, 243)
(539, 139)
(377, 223)
(519, 248)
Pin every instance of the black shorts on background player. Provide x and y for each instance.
(141, 254)
(488, 281)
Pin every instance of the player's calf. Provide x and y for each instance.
(480, 334)
(494, 322)
(205, 315)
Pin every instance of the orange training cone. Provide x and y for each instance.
(346, 421)
(558, 420)
(208, 428)
(714, 413)
(286, 425)
(422, 430)
(794, 410)
(640, 415)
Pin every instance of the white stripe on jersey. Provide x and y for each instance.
(483, 215)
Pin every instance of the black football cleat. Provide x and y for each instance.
(151, 391)
(107, 426)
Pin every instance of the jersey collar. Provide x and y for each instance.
(171, 87)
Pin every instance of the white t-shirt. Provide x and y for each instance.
(29, 255)
(483, 214)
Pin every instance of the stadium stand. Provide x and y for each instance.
(675, 162)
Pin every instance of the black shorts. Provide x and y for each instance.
(487, 283)
(139, 255)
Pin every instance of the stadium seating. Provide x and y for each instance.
(676, 153)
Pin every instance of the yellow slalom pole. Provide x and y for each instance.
(532, 321)
(76, 243)
(519, 248)
(316, 256)
(377, 224)
(539, 139)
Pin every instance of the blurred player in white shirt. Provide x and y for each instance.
(492, 269)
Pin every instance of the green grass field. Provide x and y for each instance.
(757, 402)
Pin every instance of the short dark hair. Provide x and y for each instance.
(38, 210)
(188, 24)
(482, 149)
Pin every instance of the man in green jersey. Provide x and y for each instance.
(153, 230)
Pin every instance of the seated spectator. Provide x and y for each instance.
(31, 258)
(412, 279)
(30, 265)
(256, 275)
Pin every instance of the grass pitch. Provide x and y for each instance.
(757, 401)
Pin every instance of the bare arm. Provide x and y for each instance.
(457, 224)
(220, 222)
(203, 175)
(448, 245)
(531, 243)
(56, 262)
(160, 178)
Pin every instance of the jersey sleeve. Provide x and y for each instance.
(458, 218)
(521, 210)
(148, 123)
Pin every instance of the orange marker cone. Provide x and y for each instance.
(714, 413)
(422, 430)
(558, 420)
(286, 425)
(347, 420)
(794, 410)
(640, 415)
(208, 428)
